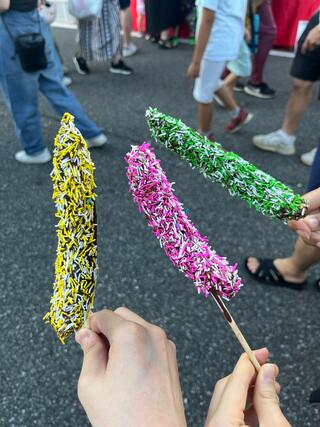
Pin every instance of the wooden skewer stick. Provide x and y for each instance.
(244, 344)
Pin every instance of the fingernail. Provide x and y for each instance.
(312, 222)
(269, 373)
(303, 234)
(82, 338)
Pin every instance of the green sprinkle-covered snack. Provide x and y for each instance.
(260, 190)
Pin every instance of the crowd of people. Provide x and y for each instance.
(233, 42)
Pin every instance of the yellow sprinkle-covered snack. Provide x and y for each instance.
(76, 262)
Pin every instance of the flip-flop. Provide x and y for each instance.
(315, 396)
(268, 273)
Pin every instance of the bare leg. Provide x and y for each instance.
(126, 24)
(230, 81)
(205, 113)
(297, 104)
(295, 267)
(227, 97)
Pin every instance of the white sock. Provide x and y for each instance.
(288, 139)
(234, 113)
(204, 133)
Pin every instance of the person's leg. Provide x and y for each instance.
(204, 88)
(297, 104)
(61, 99)
(295, 267)
(267, 36)
(225, 93)
(126, 24)
(21, 95)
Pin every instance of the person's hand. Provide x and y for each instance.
(193, 70)
(247, 35)
(129, 375)
(244, 399)
(308, 228)
(312, 40)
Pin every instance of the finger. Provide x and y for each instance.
(300, 227)
(130, 316)
(313, 199)
(304, 47)
(107, 323)
(313, 222)
(266, 401)
(228, 386)
(95, 353)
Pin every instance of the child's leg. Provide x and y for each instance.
(230, 81)
(205, 86)
(226, 94)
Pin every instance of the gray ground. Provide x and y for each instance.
(39, 376)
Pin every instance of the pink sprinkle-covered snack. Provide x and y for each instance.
(181, 241)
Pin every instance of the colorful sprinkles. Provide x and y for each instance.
(76, 262)
(181, 241)
(241, 178)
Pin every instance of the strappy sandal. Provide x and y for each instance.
(268, 273)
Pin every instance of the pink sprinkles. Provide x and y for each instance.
(181, 241)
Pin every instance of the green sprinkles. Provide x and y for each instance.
(241, 178)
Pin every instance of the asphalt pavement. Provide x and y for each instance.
(38, 375)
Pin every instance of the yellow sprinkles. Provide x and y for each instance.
(76, 262)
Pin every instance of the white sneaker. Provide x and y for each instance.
(308, 158)
(97, 141)
(274, 142)
(129, 50)
(43, 157)
(219, 101)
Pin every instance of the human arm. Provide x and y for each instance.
(207, 22)
(308, 228)
(312, 40)
(129, 375)
(244, 399)
(4, 5)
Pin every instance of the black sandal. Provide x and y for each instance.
(315, 396)
(268, 273)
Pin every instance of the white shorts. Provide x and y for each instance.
(242, 66)
(208, 81)
(140, 7)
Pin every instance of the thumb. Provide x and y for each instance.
(266, 401)
(95, 353)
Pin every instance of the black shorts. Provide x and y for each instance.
(124, 4)
(307, 66)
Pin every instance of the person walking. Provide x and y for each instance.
(100, 40)
(129, 48)
(220, 34)
(256, 86)
(305, 71)
(20, 86)
(162, 15)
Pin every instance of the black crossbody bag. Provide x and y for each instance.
(30, 48)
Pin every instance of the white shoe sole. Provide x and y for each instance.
(131, 53)
(251, 92)
(306, 161)
(273, 149)
(245, 122)
(124, 73)
(78, 69)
